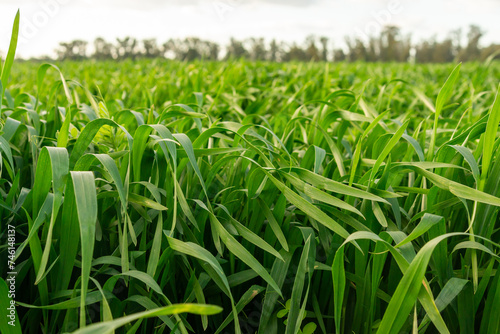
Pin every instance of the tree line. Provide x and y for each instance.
(390, 46)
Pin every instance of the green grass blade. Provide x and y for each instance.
(86, 206)
(4, 77)
(443, 96)
(298, 285)
(489, 138)
(109, 326)
(338, 276)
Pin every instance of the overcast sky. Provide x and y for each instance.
(45, 23)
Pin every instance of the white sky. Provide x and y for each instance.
(45, 23)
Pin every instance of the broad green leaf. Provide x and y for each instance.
(51, 172)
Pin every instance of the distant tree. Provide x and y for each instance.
(257, 49)
(339, 55)
(471, 51)
(151, 49)
(172, 48)
(295, 53)
(373, 49)
(433, 51)
(405, 47)
(183, 49)
(393, 46)
(312, 52)
(195, 49)
(236, 50)
(213, 50)
(127, 47)
(456, 38)
(443, 52)
(74, 50)
(357, 50)
(275, 51)
(192, 48)
(65, 51)
(324, 48)
(102, 49)
(424, 51)
(387, 43)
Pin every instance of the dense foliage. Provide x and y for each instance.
(300, 198)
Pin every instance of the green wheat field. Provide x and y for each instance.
(158, 196)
